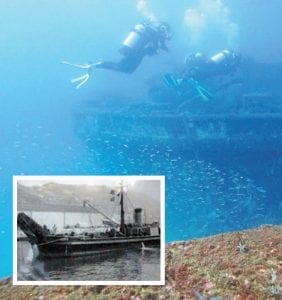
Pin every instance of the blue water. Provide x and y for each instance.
(44, 132)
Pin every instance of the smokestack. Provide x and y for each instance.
(138, 218)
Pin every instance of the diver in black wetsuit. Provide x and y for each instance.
(146, 38)
(198, 68)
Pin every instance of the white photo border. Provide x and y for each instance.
(96, 178)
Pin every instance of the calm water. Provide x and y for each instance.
(123, 265)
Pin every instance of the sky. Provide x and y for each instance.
(129, 181)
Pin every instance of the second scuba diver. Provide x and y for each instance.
(198, 68)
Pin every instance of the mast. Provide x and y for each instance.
(122, 225)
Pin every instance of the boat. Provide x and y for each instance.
(238, 118)
(182, 130)
(73, 243)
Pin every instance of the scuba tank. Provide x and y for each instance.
(136, 37)
(226, 60)
(222, 56)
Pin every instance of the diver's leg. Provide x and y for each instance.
(108, 65)
(121, 66)
(128, 64)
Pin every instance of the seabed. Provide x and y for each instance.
(245, 265)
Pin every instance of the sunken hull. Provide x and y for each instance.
(216, 132)
(60, 245)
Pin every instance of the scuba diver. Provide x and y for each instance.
(198, 68)
(146, 38)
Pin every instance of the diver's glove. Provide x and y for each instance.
(81, 79)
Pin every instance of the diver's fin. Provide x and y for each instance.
(81, 79)
(85, 66)
(203, 92)
(171, 81)
(77, 79)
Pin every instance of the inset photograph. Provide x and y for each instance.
(88, 230)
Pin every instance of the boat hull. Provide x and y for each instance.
(62, 245)
(74, 246)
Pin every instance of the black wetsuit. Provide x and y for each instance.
(150, 41)
(207, 68)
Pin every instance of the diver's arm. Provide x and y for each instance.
(156, 45)
(164, 47)
(150, 50)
